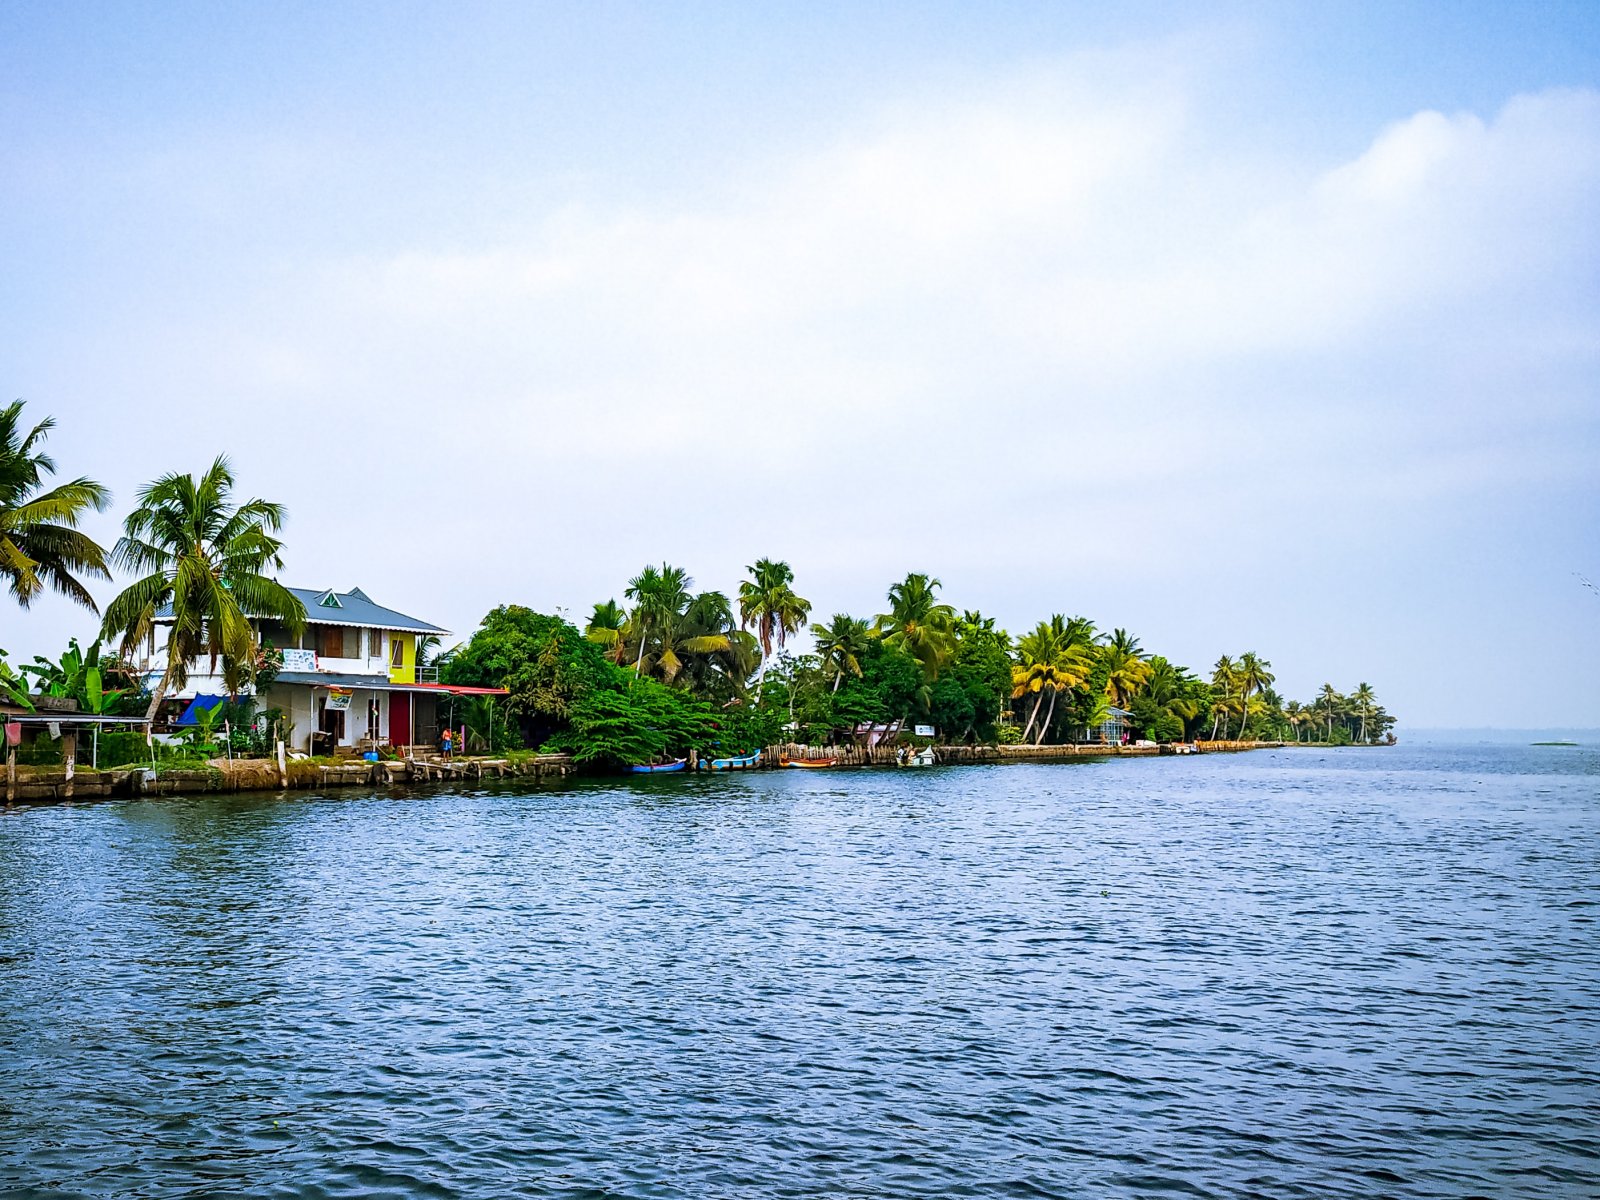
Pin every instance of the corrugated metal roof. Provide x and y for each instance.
(352, 608)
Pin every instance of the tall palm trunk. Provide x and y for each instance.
(1244, 712)
(1044, 728)
(1216, 717)
(160, 694)
(1033, 715)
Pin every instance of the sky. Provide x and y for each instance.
(1242, 326)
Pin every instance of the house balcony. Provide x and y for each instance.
(298, 661)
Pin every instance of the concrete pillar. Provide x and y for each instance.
(69, 756)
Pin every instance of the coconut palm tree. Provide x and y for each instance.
(202, 558)
(1049, 660)
(658, 597)
(40, 543)
(681, 638)
(918, 623)
(1224, 679)
(1363, 701)
(1254, 675)
(1170, 687)
(840, 645)
(428, 649)
(704, 639)
(607, 628)
(740, 661)
(1126, 670)
(1294, 711)
(767, 601)
(1330, 700)
(677, 636)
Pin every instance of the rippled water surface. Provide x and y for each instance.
(1287, 973)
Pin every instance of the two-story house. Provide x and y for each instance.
(349, 679)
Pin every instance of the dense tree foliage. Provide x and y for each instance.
(669, 671)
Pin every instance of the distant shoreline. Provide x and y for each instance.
(38, 787)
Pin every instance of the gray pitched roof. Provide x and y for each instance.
(353, 608)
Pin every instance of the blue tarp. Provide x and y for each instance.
(206, 702)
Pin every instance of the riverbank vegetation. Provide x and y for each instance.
(663, 670)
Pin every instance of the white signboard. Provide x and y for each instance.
(299, 660)
(924, 730)
(338, 699)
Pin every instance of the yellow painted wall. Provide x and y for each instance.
(407, 671)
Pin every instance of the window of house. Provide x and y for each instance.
(330, 641)
(397, 654)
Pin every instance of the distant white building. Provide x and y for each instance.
(350, 679)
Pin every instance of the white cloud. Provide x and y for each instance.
(1022, 262)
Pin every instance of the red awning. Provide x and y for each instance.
(455, 690)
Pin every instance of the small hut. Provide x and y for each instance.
(1114, 730)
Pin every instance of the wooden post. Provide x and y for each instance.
(11, 775)
(69, 756)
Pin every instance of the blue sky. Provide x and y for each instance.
(1244, 326)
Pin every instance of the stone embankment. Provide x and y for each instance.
(44, 785)
(887, 756)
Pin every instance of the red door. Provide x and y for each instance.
(399, 719)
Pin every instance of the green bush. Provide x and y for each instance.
(122, 747)
(41, 752)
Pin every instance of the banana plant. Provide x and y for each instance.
(98, 699)
(62, 678)
(206, 721)
(13, 688)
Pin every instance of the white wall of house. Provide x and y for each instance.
(299, 703)
(299, 706)
(371, 659)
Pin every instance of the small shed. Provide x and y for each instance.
(1114, 730)
(63, 723)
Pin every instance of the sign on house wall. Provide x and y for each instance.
(338, 699)
(299, 660)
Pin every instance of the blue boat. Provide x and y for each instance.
(746, 762)
(658, 768)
